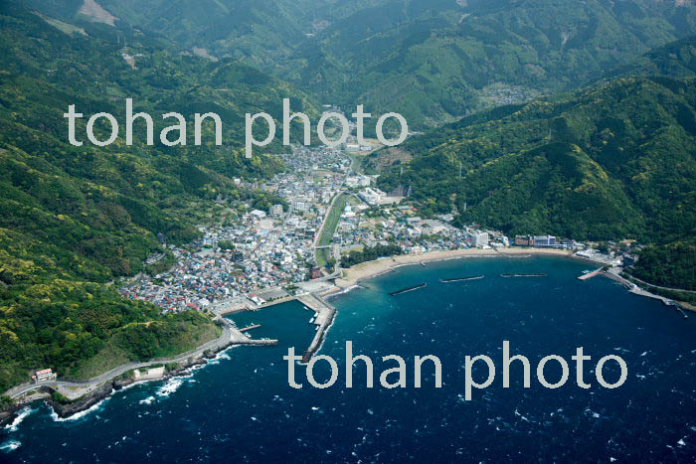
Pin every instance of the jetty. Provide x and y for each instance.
(462, 279)
(251, 327)
(408, 289)
(538, 274)
(636, 290)
(592, 274)
(237, 336)
(324, 318)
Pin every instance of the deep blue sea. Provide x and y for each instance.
(241, 409)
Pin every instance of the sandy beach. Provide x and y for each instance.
(362, 271)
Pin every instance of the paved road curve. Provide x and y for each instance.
(230, 336)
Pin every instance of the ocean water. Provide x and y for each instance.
(241, 409)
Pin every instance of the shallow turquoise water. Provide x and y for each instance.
(241, 409)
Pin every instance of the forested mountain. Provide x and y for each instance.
(613, 160)
(258, 30)
(263, 32)
(605, 163)
(74, 218)
(431, 60)
(616, 160)
(676, 59)
(438, 59)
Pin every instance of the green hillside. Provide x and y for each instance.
(72, 219)
(431, 60)
(670, 265)
(611, 162)
(434, 61)
(676, 59)
(259, 31)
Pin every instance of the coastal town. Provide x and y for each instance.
(326, 211)
(328, 228)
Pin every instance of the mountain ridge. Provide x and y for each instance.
(432, 61)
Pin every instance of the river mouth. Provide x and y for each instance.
(243, 408)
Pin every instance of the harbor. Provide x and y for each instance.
(249, 393)
(324, 315)
(313, 294)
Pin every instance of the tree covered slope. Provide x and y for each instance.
(676, 59)
(436, 60)
(431, 60)
(610, 162)
(74, 218)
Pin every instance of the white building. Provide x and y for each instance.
(481, 240)
(300, 205)
(371, 196)
(44, 375)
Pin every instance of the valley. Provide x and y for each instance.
(533, 125)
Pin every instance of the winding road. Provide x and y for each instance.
(74, 389)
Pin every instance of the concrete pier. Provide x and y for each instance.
(325, 315)
(589, 275)
(238, 337)
(251, 327)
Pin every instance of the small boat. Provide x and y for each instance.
(462, 279)
(408, 289)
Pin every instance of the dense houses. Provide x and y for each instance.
(258, 251)
(261, 255)
(365, 225)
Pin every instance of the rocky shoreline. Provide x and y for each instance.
(7, 416)
(66, 409)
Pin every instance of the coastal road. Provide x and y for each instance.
(671, 289)
(73, 389)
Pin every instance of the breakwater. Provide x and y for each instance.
(408, 289)
(324, 318)
(462, 279)
(535, 274)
